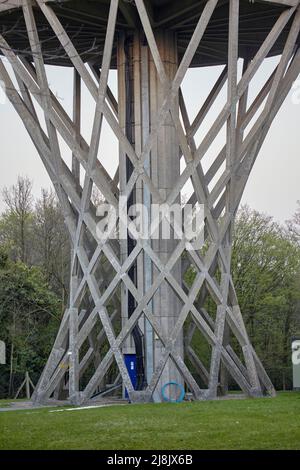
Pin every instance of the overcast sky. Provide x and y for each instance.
(272, 188)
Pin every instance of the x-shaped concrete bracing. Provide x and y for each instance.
(238, 155)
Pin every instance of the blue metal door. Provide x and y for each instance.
(130, 362)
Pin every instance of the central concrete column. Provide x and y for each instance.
(146, 95)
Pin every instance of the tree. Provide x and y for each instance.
(294, 225)
(16, 224)
(29, 317)
(266, 275)
(35, 234)
(52, 243)
(266, 272)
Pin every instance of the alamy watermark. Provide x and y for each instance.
(157, 222)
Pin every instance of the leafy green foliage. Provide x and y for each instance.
(29, 318)
(266, 275)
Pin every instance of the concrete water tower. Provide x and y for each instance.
(132, 317)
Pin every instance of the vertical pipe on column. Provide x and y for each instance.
(149, 337)
(77, 121)
(127, 103)
(73, 318)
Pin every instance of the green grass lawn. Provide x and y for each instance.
(232, 424)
